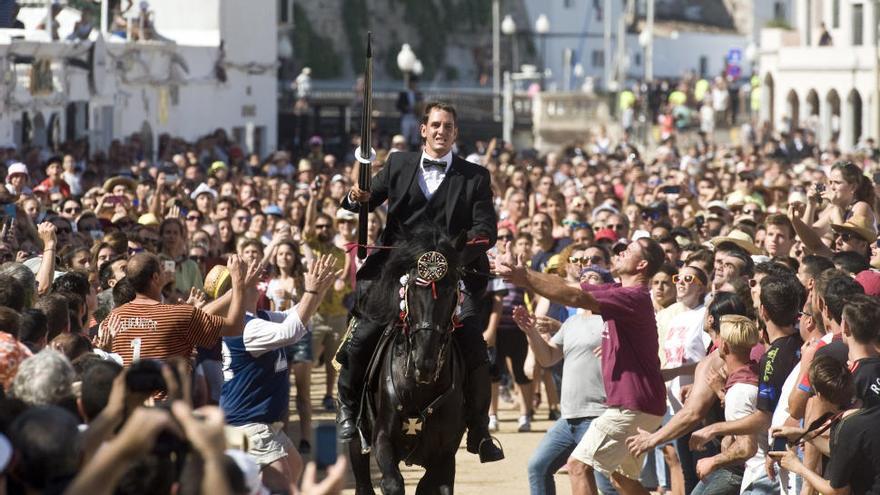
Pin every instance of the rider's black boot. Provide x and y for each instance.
(349, 387)
(478, 396)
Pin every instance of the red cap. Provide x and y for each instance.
(870, 281)
(609, 234)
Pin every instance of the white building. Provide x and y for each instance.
(218, 71)
(830, 89)
(689, 35)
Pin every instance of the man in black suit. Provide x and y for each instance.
(430, 186)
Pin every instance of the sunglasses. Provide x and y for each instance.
(846, 236)
(575, 225)
(198, 259)
(688, 279)
(585, 260)
(242, 219)
(193, 218)
(615, 226)
(505, 237)
(72, 210)
(322, 226)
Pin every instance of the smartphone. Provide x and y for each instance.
(325, 445)
(779, 444)
(672, 190)
(114, 200)
(170, 266)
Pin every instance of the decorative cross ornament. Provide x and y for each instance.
(412, 426)
(432, 266)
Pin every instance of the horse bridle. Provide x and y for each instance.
(431, 267)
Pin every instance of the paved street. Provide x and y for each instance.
(506, 477)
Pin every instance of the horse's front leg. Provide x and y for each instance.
(389, 466)
(439, 478)
(360, 465)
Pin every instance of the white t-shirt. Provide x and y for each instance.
(780, 416)
(685, 342)
(740, 401)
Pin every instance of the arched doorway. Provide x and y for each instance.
(39, 136)
(831, 118)
(811, 120)
(147, 139)
(792, 110)
(768, 102)
(853, 124)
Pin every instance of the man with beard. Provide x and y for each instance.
(329, 322)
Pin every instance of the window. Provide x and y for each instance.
(637, 60)
(858, 23)
(779, 11)
(283, 11)
(597, 58)
(704, 65)
(835, 13)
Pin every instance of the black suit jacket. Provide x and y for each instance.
(462, 203)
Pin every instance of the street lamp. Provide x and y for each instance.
(406, 62)
(542, 27)
(508, 27)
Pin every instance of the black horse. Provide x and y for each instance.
(413, 404)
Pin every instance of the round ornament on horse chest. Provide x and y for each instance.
(432, 266)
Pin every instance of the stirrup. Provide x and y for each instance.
(491, 452)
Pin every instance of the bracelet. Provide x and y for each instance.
(310, 291)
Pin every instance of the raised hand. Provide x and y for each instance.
(237, 270)
(196, 298)
(524, 320)
(322, 274)
(46, 231)
(253, 273)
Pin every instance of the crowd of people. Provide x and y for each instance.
(712, 308)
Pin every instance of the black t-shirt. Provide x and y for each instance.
(866, 376)
(776, 364)
(855, 453)
(837, 349)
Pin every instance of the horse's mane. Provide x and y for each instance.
(382, 303)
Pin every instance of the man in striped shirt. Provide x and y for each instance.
(145, 328)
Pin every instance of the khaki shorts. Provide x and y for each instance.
(266, 442)
(603, 446)
(327, 327)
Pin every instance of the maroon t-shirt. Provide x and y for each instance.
(630, 360)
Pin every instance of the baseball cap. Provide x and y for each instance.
(203, 189)
(870, 281)
(17, 168)
(273, 210)
(218, 165)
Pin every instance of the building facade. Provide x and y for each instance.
(213, 66)
(831, 89)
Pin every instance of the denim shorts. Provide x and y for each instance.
(301, 351)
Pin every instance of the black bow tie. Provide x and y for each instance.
(434, 163)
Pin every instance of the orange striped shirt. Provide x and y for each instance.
(160, 331)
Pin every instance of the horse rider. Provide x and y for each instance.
(432, 185)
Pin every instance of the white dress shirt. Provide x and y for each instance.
(430, 177)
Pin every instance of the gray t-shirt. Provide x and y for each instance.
(583, 391)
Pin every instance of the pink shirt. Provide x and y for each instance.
(630, 361)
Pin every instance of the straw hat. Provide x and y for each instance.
(858, 225)
(739, 238)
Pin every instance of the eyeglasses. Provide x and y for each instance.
(322, 226)
(615, 226)
(72, 210)
(585, 260)
(846, 236)
(194, 218)
(198, 259)
(688, 279)
(575, 224)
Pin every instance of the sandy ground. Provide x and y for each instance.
(472, 478)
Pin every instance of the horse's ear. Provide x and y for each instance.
(460, 240)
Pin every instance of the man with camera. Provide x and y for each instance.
(145, 328)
